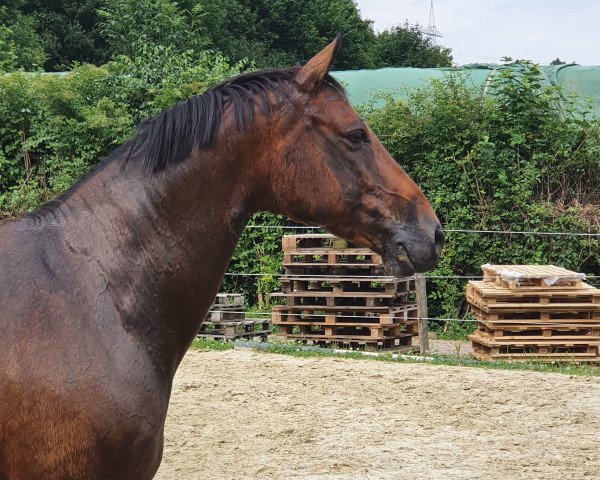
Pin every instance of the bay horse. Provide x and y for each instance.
(104, 289)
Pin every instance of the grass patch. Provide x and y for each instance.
(453, 330)
(448, 360)
(205, 344)
(581, 370)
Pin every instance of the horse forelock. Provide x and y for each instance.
(170, 137)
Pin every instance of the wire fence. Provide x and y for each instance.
(365, 277)
(315, 229)
(455, 230)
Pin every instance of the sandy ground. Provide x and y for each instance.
(240, 414)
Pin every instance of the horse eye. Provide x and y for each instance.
(358, 136)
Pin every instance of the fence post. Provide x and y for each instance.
(421, 294)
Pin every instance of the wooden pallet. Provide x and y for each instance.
(484, 353)
(539, 332)
(346, 330)
(334, 299)
(346, 284)
(348, 258)
(357, 315)
(492, 293)
(224, 300)
(226, 307)
(335, 270)
(236, 330)
(519, 276)
(536, 317)
(490, 297)
(225, 316)
(537, 352)
(314, 241)
(523, 346)
(368, 343)
(484, 339)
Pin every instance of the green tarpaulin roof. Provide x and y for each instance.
(363, 86)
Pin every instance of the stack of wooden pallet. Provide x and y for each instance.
(527, 312)
(226, 320)
(339, 294)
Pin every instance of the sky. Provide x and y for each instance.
(484, 31)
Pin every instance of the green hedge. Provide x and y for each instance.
(521, 157)
(54, 127)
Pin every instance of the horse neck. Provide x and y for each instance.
(156, 246)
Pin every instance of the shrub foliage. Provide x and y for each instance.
(522, 157)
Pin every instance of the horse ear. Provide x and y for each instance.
(311, 75)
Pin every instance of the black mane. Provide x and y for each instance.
(170, 137)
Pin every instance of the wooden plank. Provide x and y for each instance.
(545, 341)
(532, 351)
(486, 357)
(323, 330)
(326, 269)
(346, 258)
(366, 342)
(533, 331)
(392, 317)
(347, 310)
(396, 345)
(229, 299)
(348, 284)
(491, 298)
(539, 307)
(313, 241)
(487, 289)
(231, 330)
(319, 294)
(536, 317)
(224, 315)
(342, 299)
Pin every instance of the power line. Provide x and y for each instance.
(452, 230)
(356, 317)
(361, 277)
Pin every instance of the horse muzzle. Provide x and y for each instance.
(411, 251)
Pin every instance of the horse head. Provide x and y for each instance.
(333, 171)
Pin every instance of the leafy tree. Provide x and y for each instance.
(69, 31)
(20, 45)
(299, 28)
(406, 46)
(280, 33)
(129, 25)
(558, 61)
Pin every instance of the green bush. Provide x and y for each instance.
(54, 127)
(522, 158)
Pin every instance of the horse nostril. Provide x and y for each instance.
(439, 240)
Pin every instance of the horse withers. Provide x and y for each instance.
(103, 290)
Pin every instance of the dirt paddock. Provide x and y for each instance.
(241, 414)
